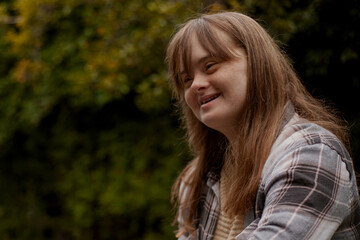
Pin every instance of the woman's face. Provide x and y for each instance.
(215, 91)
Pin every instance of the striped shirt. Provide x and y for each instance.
(307, 191)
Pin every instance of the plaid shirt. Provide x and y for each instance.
(307, 191)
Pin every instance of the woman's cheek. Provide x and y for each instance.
(187, 98)
(191, 101)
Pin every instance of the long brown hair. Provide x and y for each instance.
(272, 83)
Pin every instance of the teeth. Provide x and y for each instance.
(210, 99)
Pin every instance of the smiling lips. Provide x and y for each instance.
(208, 98)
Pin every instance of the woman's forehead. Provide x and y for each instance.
(212, 43)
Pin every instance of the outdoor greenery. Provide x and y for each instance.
(90, 142)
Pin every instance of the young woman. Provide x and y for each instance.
(269, 160)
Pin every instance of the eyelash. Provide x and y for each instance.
(187, 79)
(209, 65)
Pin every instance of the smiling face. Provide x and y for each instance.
(215, 89)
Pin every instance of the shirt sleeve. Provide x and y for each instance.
(307, 195)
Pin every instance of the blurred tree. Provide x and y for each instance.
(88, 147)
(89, 144)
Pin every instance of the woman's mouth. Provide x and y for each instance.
(207, 99)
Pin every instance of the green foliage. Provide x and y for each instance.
(90, 52)
(89, 144)
(88, 147)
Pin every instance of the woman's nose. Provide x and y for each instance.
(199, 83)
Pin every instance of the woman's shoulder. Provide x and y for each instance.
(300, 133)
(309, 174)
(303, 143)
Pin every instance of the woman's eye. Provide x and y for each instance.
(209, 65)
(187, 79)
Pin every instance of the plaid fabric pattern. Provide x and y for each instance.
(307, 191)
